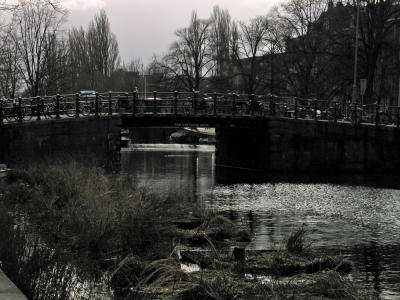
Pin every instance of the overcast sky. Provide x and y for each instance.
(146, 27)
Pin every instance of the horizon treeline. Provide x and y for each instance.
(302, 48)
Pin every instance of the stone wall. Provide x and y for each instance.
(85, 139)
(309, 146)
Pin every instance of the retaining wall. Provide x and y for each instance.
(84, 139)
(308, 146)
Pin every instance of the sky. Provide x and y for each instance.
(146, 27)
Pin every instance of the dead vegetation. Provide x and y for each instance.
(294, 274)
(144, 241)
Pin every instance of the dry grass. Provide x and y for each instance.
(40, 272)
(93, 218)
(92, 213)
(297, 242)
(107, 222)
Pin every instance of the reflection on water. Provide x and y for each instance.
(359, 221)
(186, 170)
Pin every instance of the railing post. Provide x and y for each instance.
(58, 106)
(134, 104)
(272, 104)
(252, 98)
(295, 108)
(175, 102)
(234, 104)
(97, 107)
(315, 109)
(1, 111)
(377, 113)
(19, 110)
(335, 111)
(38, 104)
(215, 103)
(195, 101)
(110, 103)
(126, 103)
(398, 117)
(355, 114)
(77, 99)
(154, 102)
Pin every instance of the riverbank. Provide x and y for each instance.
(109, 229)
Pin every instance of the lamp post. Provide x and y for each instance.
(354, 94)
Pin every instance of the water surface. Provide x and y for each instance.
(359, 221)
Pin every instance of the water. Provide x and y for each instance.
(361, 222)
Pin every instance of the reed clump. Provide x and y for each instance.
(93, 219)
(86, 211)
(276, 274)
(297, 241)
(166, 279)
(39, 272)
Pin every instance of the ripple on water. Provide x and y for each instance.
(372, 208)
(362, 222)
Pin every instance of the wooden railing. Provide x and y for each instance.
(193, 104)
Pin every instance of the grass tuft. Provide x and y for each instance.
(297, 242)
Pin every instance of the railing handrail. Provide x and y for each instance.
(194, 103)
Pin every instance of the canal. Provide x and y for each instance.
(356, 217)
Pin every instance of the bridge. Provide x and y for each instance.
(259, 132)
(193, 106)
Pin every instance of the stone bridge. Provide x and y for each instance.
(256, 132)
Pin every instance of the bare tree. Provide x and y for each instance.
(220, 34)
(78, 60)
(56, 78)
(93, 54)
(9, 58)
(304, 44)
(248, 44)
(102, 47)
(7, 5)
(377, 22)
(189, 59)
(36, 23)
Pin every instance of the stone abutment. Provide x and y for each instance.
(304, 146)
(85, 139)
